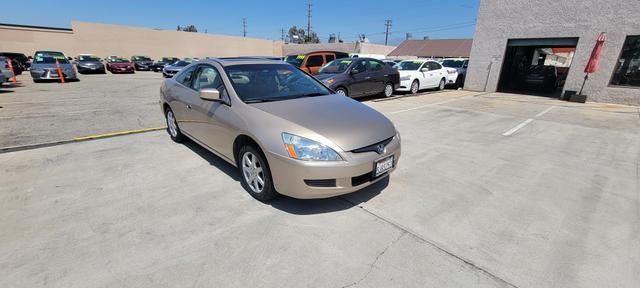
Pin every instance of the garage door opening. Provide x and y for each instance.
(537, 66)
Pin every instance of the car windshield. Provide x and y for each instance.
(88, 58)
(141, 58)
(120, 60)
(181, 63)
(295, 60)
(409, 65)
(47, 59)
(272, 82)
(453, 63)
(164, 59)
(336, 66)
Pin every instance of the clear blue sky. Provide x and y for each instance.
(433, 18)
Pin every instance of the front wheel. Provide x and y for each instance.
(256, 176)
(172, 127)
(442, 84)
(342, 92)
(415, 86)
(388, 90)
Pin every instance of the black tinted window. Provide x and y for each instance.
(627, 72)
(361, 66)
(315, 61)
(434, 66)
(330, 58)
(375, 65)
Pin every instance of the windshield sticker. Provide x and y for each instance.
(418, 62)
(300, 57)
(39, 58)
(58, 57)
(345, 61)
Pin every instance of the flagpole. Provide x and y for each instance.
(583, 82)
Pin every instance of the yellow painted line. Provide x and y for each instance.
(118, 133)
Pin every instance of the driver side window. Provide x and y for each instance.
(208, 78)
(361, 66)
(185, 77)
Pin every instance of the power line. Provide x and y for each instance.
(244, 27)
(308, 22)
(387, 23)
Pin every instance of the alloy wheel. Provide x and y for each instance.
(171, 123)
(388, 90)
(441, 87)
(414, 87)
(252, 172)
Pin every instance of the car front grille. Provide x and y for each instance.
(364, 178)
(372, 147)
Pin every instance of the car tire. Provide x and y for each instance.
(443, 83)
(255, 175)
(388, 90)
(415, 87)
(342, 91)
(172, 127)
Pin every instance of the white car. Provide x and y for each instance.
(421, 74)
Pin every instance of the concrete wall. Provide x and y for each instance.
(363, 48)
(105, 39)
(500, 20)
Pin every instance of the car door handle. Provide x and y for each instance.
(188, 106)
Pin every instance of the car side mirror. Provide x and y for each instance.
(424, 70)
(465, 65)
(210, 95)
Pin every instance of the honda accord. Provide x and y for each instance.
(284, 130)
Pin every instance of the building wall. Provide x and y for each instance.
(363, 48)
(105, 39)
(500, 20)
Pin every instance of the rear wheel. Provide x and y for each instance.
(172, 127)
(388, 90)
(256, 176)
(415, 87)
(342, 91)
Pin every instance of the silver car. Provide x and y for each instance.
(44, 66)
(285, 131)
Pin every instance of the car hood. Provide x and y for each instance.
(89, 63)
(144, 62)
(324, 76)
(174, 68)
(342, 120)
(39, 66)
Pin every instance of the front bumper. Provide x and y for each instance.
(356, 173)
(169, 73)
(405, 85)
(51, 74)
(122, 70)
(143, 67)
(89, 69)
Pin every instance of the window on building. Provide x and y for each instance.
(627, 72)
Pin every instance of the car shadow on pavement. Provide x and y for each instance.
(333, 204)
(214, 160)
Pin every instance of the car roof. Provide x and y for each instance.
(240, 61)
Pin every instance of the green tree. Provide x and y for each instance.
(299, 35)
(188, 28)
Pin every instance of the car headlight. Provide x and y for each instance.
(405, 78)
(301, 148)
(329, 81)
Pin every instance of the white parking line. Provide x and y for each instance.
(526, 122)
(429, 105)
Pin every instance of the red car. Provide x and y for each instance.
(120, 65)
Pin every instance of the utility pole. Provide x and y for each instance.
(386, 34)
(282, 32)
(244, 27)
(308, 22)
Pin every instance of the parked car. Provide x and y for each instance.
(87, 63)
(120, 65)
(416, 75)
(44, 66)
(285, 131)
(21, 60)
(141, 63)
(164, 62)
(542, 76)
(391, 62)
(457, 70)
(5, 72)
(111, 57)
(312, 62)
(174, 68)
(357, 77)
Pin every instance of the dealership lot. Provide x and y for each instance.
(492, 190)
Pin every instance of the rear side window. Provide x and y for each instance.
(375, 65)
(330, 58)
(315, 61)
(185, 77)
(434, 66)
